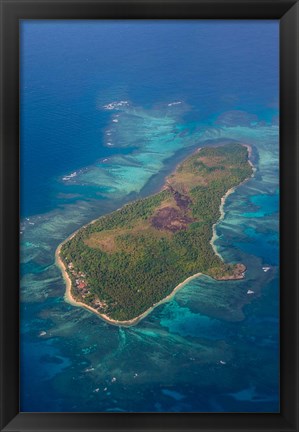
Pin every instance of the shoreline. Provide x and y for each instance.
(222, 214)
(223, 200)
(127, 323)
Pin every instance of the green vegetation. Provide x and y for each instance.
(129, 260)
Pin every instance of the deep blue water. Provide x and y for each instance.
(69, 69)
(186, 355)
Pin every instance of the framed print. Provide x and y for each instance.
(149, 202)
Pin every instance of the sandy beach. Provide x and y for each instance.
(70, 299)
(223, 199)
(222, 214)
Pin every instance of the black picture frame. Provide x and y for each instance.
(287, 11)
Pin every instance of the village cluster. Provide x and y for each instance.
(82, 289)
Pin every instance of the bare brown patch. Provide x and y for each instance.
(103, 240)
(110, 241)
(211, 161)
(183, 182)
(170, 219)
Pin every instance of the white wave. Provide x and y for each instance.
(68, 177)
(116, 105)
(174, 103)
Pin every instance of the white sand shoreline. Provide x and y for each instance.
(70, 299)
(223, 200)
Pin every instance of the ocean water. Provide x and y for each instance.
(215, 346)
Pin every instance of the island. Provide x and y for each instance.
(125, 263)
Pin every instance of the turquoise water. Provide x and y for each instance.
(264, 205)
(214, 347)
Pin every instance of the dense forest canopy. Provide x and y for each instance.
(126, 261)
